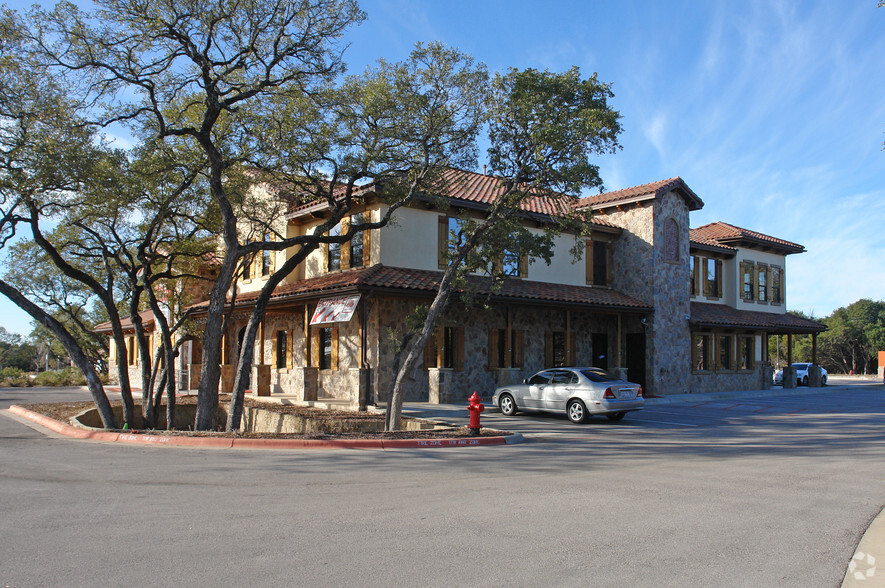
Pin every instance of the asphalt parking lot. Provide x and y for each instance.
(757, 492)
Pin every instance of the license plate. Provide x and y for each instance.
(626, 394)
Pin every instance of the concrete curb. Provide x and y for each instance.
(746, 395)
(868, 561)
(237, 443)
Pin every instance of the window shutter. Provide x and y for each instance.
(523, 265)
(273, 257)
(290, 348)
(430, 352)
(608, 264)
(519, 349)
(367, 245)
(493, 349)
(345, 247)
(334, 335)
(325, 257)
(588, 261)
(548, 349)
(458, 351)
(274, 351)
(314, 343)
(443, 242)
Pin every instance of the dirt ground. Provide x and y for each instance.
(63, 411)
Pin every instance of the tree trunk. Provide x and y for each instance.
(93, 382)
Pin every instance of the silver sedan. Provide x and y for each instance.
(580, 392)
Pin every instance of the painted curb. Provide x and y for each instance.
(868, 561)
(241, 443)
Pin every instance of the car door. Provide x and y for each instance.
(560, 389)
(537, 386)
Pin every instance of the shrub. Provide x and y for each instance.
(14, 377)
(65, 377)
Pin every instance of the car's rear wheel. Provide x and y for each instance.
(615, 416)
(507, 404)
(577, 412)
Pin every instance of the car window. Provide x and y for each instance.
(564, 377)
(595, 376)
(541, 378)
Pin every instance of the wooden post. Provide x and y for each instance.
(569, 360)
(789, 349)
(618, 345)
(814, 349)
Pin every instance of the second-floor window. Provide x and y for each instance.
(267, 259)
(747, 272)
(333, 257)
(357, 243)
(598, 255)
(777, 288)
(448, 229)
(713, 278)
(694, 270)
(762, 281)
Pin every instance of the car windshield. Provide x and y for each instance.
(595, 376)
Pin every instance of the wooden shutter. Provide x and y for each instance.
(493, 349)
(608, 263)
(334, 335)
(443, 242)
(367, 244)
(523, 265)
(290, 348)
(458, 351)
(272, 262)
(274, 350)
(588, 261)
(430, 351)
(518, 349)
(548, 349)
(345, 247)
(325, 257)
(314, 343)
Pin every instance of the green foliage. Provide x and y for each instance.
(14, 377)
(855, 335)
(65, 377)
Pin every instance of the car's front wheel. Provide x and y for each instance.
(804, 380)
(577, 412)
(823, 380)
(507, 404)
(615, 416)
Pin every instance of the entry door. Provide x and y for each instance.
(636, 358)
(599, 342)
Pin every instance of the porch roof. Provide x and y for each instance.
(402, 281)
(705, 315)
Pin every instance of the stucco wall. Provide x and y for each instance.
(770, 259)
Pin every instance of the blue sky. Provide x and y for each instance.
(771, 111)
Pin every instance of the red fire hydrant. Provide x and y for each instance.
(475, 407)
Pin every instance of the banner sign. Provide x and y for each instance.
(335, 310)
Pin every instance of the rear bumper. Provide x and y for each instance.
(610, 406)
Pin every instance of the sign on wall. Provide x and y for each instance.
(335, 310)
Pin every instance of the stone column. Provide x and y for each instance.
(814, 376)
(767, 376)
(789, 377)
(506, 376)
(440, 382)
(310, 377)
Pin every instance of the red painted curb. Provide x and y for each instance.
(240, 443)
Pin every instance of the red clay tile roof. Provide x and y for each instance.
(726, 234)
(706, 315)
(652, 190)
(380, 277)
(147, 318)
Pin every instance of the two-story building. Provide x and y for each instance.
(674, 309)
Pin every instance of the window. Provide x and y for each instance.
(747, 352)
(445, 348)
(598, 256)
(694, 269)
(447, 238)
(762, 281)
(247, 265)
(564, 377)
(540, 379)
(357, 242)
(599, 343)
(700, 352)
(747, 271)
(713, 278)
(559, 349)
(333, 251)
(325, 345)
(504, 353)
(281, 349)
(725, 352)
(131, 356)
(777, 291)
(510, 262)
(266, 261)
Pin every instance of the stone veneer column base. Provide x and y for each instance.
(310, 376)
(440, 383)
(767, 376)
(789, 377)
(814, 376)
